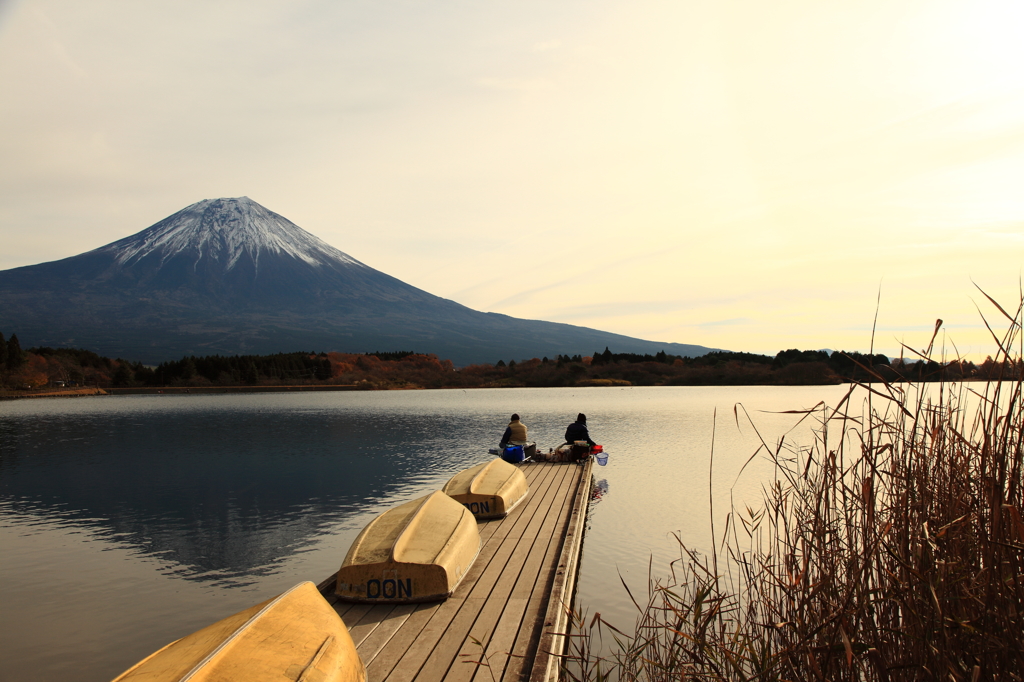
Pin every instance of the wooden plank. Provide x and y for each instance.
(371, 619)
(514, 622)
(502, 603)
(501, 661)
(527, 643)
(351, 614)
(410, 647)
(525, 628)
(525, 624)
(556, 620)
(498, 609)
(381, 635)
(444, 655)
(457, 642)
(383, 664)
(449, 627)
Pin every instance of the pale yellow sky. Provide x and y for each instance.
(738, 175)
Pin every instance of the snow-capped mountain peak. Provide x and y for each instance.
(229, 277)
(224, 231)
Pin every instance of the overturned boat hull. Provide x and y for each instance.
(490, 490)
(419, 551)
(296, 635)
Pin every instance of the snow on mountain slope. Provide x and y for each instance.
(227, 277)
(225, 231)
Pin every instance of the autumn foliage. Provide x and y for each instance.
(39, 367)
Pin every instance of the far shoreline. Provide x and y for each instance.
(34, 394)
(169, 390)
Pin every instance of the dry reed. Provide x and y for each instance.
(889, 549)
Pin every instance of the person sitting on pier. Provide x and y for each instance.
(515, 434)
(577, 432)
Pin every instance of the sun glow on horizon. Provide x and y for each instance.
(738, 176)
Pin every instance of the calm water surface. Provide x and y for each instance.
(127, 522)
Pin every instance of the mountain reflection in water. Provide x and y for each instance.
(221, 493)
(128, 522)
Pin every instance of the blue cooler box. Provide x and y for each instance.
(513, 454)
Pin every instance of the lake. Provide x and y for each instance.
(127, 522)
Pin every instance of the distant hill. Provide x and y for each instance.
(228, 276)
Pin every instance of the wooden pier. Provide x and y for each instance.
(507, 616)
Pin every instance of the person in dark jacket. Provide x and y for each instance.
(578, 431)
(515, 433)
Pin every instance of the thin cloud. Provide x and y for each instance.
(731, 322)
(521, 84)
(546, 46)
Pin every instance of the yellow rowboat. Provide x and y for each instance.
(490, 490)
(295, 636)
(418, 551)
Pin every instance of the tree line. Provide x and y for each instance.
(39, 367)
(788, 367)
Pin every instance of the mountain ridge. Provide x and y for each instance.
(228, 276)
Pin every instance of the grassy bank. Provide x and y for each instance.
(891, 548)
(50, 393)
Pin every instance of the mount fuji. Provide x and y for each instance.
(228, 276)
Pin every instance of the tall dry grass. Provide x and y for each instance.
(890, 549)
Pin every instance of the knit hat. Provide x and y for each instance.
(582, 418)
